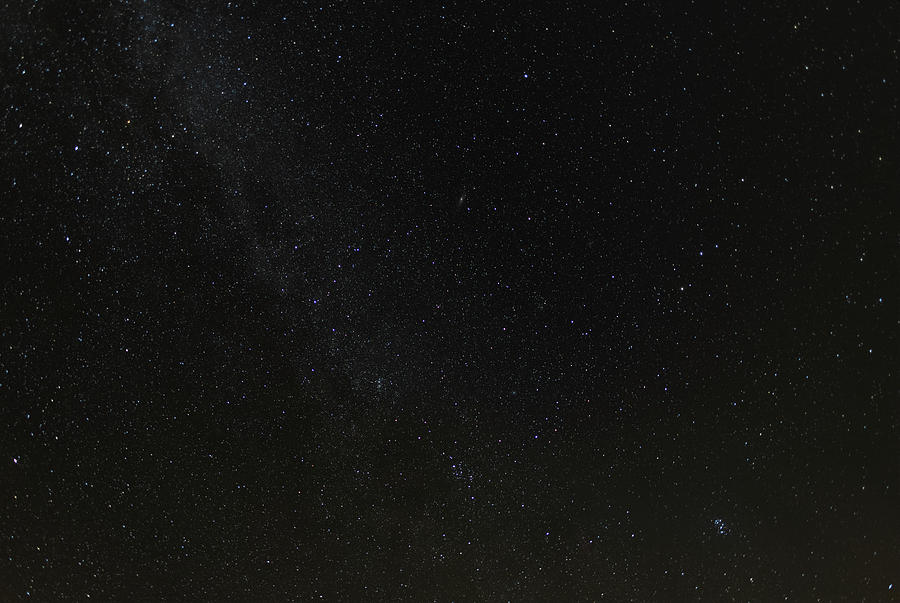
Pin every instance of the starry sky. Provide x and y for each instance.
(465, 301)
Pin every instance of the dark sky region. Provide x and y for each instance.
(388, 301)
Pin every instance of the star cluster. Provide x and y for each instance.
(391, 302)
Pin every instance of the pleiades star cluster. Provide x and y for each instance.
(421, 301)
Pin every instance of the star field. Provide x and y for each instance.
(355, 301)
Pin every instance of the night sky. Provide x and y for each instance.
(396, 301)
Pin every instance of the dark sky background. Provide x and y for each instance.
(473, 302)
